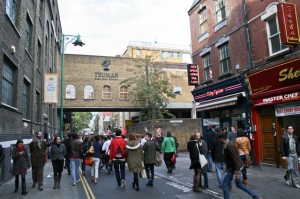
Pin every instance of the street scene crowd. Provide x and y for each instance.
(228, 151)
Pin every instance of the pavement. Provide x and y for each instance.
(266, 180)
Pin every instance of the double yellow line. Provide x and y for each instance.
(89, 193)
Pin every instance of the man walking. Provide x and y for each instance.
(289, 147)
(38, 150)
(150, 147)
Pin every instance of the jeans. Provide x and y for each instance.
(210, 162)
(95, 168)
(220, 167)
(119, 166)
(244, 170)
(150, 171)
(292, 171)
(226, 182)
(75, 164)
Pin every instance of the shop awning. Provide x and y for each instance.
(229, 100)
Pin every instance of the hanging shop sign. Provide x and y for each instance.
(276, 99)
(288, 23)
(290, 109)
(281, 78)
(193, 74)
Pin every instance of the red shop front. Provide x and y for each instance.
(275, 97)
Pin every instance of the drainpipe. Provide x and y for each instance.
(249, 49)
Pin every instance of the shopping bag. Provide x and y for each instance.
(89, 161)
(158, 159)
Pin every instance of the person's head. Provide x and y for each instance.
(118, 132)
(39, 135)
(132, 136)
(193, 137)
(74, 136)
(169, 134)
(57, 139)
(198, 135)
(97, 138)
(19, 143)
(233, 129)
(241, 133)
(219, 130)
(108, 137)
(222, 136)
(158, 132)
(290, 129)
(148, 136)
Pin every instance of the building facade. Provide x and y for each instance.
(30, 48)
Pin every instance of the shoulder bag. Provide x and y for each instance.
(202, 158)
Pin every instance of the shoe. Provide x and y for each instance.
(151, 183)
(78, 180)
(148, 184)
(83, 173)
(123, 184)
(245, 182)
(285, 178)
(205, 186)
(41, 188)
(24, 192)
(297, 186)
(288, 182)
(74, 184)
(197, 189)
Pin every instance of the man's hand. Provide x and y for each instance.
(237, 176)
(284, 158)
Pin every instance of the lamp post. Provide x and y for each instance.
(77, 42)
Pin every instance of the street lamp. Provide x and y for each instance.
(76, 42)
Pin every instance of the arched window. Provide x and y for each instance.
(70, 92)
(88, 92)
(123, 93)
(106, 92)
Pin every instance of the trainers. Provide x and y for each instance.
(289, 182)
(74, 184)
(123, 184)
(297, 186)
(78, 180)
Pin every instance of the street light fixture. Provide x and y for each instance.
(76, 42)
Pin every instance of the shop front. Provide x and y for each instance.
(223, 105)
(275, 97)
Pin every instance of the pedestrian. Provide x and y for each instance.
(38, 150)
(234, 164)
(97, 145)
(211, 134)
(150, 148)
(106, 150)
(159, 137)
(232, 135)
(135, 158)
(289, 148)
(20, 165)
(203, 148)
(85, 147)
(58, 152)
(168, 148)
(118, 157)
(67, 143)
(193, 148)
(75, 149)
(217, 154)
(242, 143)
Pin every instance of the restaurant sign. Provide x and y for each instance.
(288, 97)
(193, 74)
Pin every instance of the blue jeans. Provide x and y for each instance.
(220, 167)
(227, 180)
(210, 162)
(119, 166)
(244, 170)
(75, 164)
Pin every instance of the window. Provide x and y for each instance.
(28, 32)
(123, 93)
(207, 72)
(8, 91)
(88, 92)
(26, 99)
(220, 10)
(166, 54)
(38, 106)
(11, 10)
(203, 21)
(224, 59)
(177, 90)
(70, 92)
(106, 93)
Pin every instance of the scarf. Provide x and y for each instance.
(20, 149)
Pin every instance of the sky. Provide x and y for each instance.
(107, 26)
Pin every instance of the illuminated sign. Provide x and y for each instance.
(277, 99)
(288, 23)
(193, 74)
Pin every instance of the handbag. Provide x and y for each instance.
(158, 159)
(89, 161)
(143, 171)
(202, 158)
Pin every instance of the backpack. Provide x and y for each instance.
(119, 153)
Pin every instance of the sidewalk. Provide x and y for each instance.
(67, 191)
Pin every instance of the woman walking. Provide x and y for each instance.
(58, 152)
(97, 155)
(20, 165)
(242, 143)
(86, 146)
(134, 159)
(168, 148)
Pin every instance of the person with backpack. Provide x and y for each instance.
(106, 150)
(117, 156)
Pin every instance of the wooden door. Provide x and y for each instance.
(268, 140)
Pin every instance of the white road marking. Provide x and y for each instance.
(180, 187)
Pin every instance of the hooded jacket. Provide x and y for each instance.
(134, 156)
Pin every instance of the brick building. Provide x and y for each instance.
(30, 48)
(248, 75)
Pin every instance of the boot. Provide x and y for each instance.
(245, 182)
(58, 181)
(24, 192)
(16, 184)
(136, 181)
(55, 182)
(137, 187)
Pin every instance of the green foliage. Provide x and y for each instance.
(82, 119)
(151, 88)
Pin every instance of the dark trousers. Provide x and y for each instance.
(150, 171)
(37, 174)
(83, 165)
(58, 166)
(108, 165)
(167, 159)
(67, 165)
(119, 167)
(17, 183)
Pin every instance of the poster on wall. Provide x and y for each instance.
(50, 88)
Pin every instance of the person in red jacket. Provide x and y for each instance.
(117, 156)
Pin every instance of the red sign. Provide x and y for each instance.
(193, 74)
(294, 110)
(276, 79)
(288, 24)
(277, 99)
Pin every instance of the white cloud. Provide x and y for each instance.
(107, 26)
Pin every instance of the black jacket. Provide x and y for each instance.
(284, 145)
